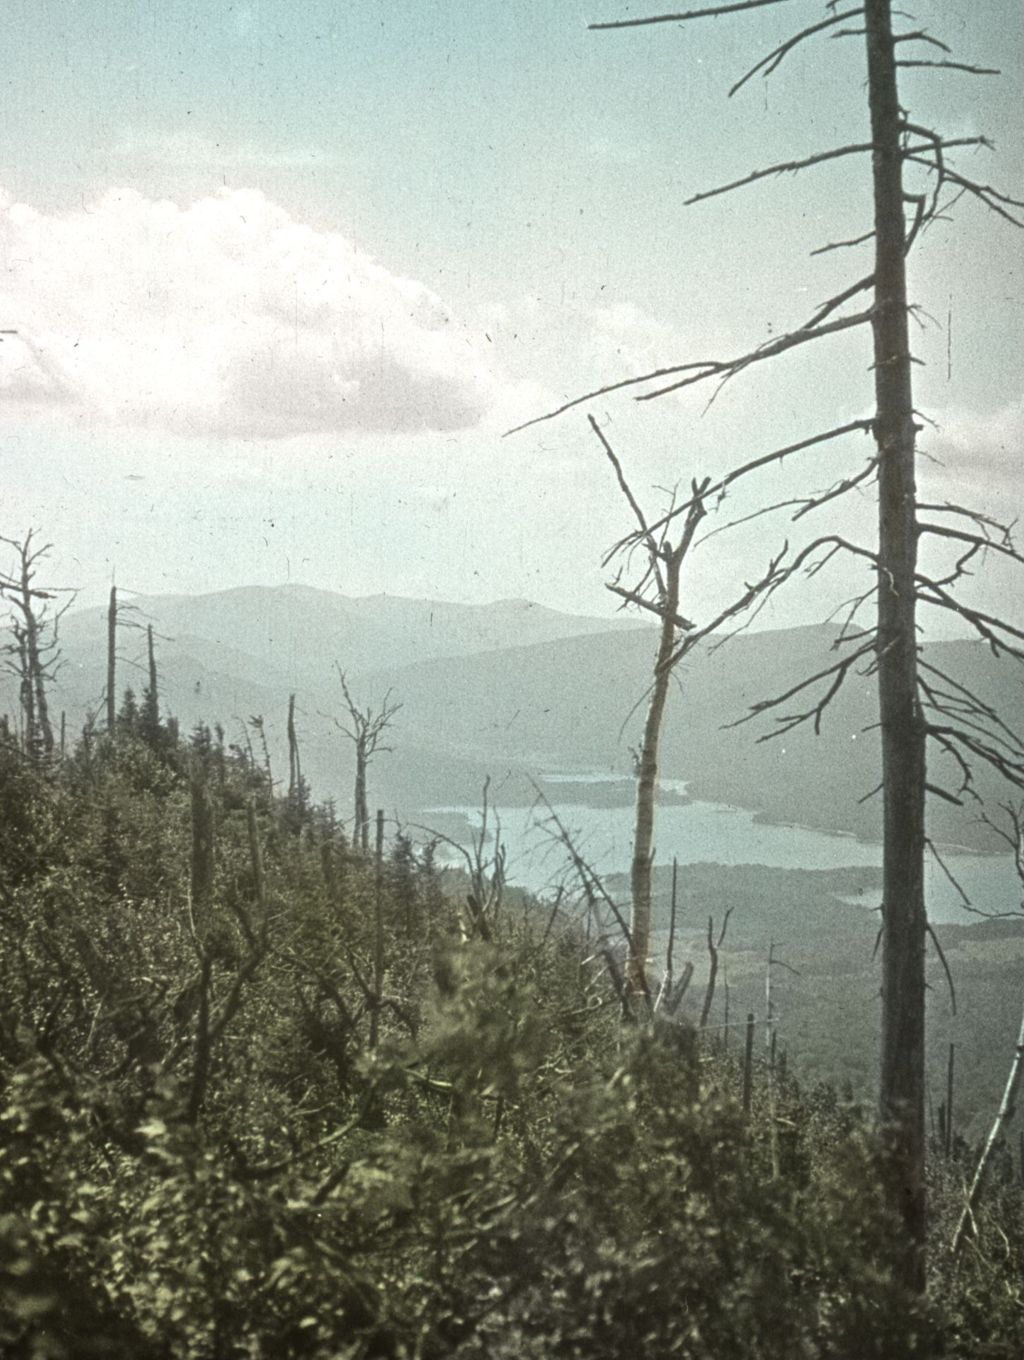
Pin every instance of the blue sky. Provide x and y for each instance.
(285, 273)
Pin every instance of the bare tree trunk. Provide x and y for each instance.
(35, 661)
(294, 767)
(112, 662)
(361, 831)
(646, 786)
(1006, 1111)
(378, 932)
(27, 694)
(947, 1144)
(713, 948)
(902, 729)
(748, 1063)
(32, 668)
(709, 990)
(151, 656)
(151, 698)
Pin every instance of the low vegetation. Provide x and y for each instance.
(263, 1094)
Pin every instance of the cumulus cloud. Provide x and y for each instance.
(582, 345)
(226, 317)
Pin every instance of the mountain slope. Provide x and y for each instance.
(299, 633)
(571, 702)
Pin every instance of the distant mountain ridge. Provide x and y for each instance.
(514, 690)
(300, 632)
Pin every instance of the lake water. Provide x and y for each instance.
(709, 832)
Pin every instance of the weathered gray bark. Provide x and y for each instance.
(295, 790)
(151, 694)
(35, 642)
(361, 830)
(112, 662)
(646, 787)
(902, 728)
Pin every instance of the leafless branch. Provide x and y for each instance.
(952, 879)
(645, 533)
(791, 340)
(712, 12)
(781, 168)
(702, 369)
(736, 474)
(991, 197)
(994, 631)
(593, 888)
(845, 245)
(650, 606)
(919, 35)
(752, 592)
(835, 674)
(775, 58)
(954, 66)
(945, 965)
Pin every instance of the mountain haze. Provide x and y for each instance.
(514, 690)
(300, 632)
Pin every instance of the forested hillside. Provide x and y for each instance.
(266, 1095)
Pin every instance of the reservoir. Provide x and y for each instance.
(698, 832)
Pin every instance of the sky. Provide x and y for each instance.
(283, 276)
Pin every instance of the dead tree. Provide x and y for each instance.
(297, 787)
(657, 592)
(917, 703)
(714, 945)
(33, 654)
(365, 729)
(112, 663)
(121, 615)
(150, 717)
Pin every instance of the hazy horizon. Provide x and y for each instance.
(282, 278)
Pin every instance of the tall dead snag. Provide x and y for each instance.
(297, 788)
(365, 729)
(150, 718)
(657, 592)
(902, 1082)
(664, 565)
(714, 945)
(294, 771)
(918, 702)
(121, 615)
(112, 663)
(33, 654)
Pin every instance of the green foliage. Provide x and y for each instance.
(219, 1138)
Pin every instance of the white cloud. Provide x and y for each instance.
(226, 317)
(585, 344)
